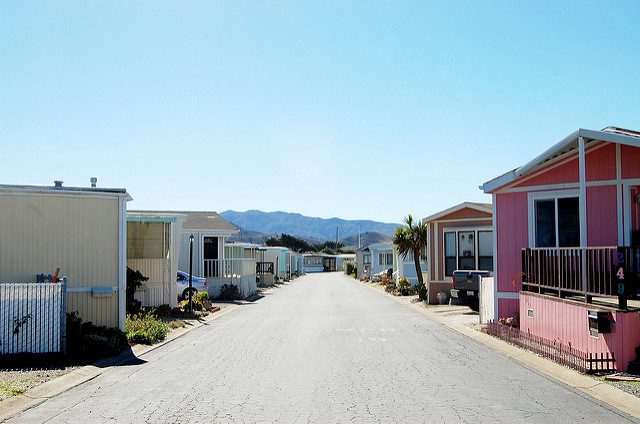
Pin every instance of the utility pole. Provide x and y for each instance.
(336, 240)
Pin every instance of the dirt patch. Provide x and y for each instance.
(15, 382)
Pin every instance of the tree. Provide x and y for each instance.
(412, 238)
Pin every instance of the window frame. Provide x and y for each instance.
(456, 231)
(553, 195)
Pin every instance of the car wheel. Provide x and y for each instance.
(185, 293)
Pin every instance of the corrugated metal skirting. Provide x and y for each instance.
(32, 318)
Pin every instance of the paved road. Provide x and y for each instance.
(322, 349)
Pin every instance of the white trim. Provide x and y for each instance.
(122, 262)
(619, 203)
(563, 186)
(507, 295)
(456, 208)
(582, 204)
(545, 195)
(64, 193)
(495, 256)
(558, 147)
(563, 159)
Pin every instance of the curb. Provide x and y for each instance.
(16, 404)
(603, 392)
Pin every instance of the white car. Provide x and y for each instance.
(197, 284)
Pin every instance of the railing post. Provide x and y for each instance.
(583, 273)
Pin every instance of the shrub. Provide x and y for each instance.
(202, 296)
(230, 292)
(404, 287)
(145, 329)
(134, 282)
(89, 340)
(350, 268)
(197, 304)
(390, 287)
(162, 310)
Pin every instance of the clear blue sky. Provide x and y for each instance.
(349, 109)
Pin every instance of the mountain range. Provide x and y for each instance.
(256, 223)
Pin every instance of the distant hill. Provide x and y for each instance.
(365, 239)
(309, 228)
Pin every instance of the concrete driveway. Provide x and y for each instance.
(323, 348)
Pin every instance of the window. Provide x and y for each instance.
(485, 250)
(450, 257)
(385, 259)
(366, 259)
(468, 249)
(557, 222)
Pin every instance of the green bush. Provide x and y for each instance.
(197, 304)
(350, 268)
(162, 310)
(390, 287)
(404, 283)
(230, 292)
(92, 341)
(134, 282)
(202, 296)
(421, 288)
(145, 329)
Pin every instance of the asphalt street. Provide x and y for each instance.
(322, 348)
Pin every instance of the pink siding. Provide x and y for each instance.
(602, 217)
(565, 173)
(600, 164)
(507, 308)
(566, 321)
(630, 159)
(512, 236)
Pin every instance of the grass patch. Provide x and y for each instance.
(176, 324)
(15, 387)
(145, 329)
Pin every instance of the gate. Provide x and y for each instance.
(32, 318)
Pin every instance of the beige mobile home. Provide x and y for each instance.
(80, 230)
(460, 237)
(153, 248)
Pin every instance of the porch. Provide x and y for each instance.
(240, 272)
(585, 298)
(601, 275)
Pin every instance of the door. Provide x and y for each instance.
(210, 256)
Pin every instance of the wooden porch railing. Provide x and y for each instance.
(586, 271)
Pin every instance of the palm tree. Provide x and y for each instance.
(412, 238)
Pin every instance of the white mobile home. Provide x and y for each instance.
(153, 248)
(82, 231)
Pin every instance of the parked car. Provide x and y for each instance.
(197, 284)
(466, 285)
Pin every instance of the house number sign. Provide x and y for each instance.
(620, 274)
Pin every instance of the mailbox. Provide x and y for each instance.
(600, 321)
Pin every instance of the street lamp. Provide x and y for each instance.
(190, 273)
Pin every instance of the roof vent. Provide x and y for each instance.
(57, 183)
(94, 181)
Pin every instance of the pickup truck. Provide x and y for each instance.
(466, 285)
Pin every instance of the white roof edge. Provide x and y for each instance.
(456, 208)
(68, 190)
(580, 132)
(147, 214)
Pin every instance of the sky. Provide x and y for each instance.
(357, 110)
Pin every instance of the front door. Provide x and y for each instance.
(210, 256)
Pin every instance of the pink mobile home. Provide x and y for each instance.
(558, 222)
